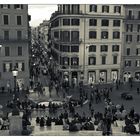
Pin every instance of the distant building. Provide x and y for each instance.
(131, 51)
(86, 42)
(14, 43)
(43, 33)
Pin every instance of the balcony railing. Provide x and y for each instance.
(66, 13)
(75, 67)
(130, 17)
(68, 41)
(70, 67)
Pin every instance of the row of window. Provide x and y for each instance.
(104, 35)
(67, 48)
(131, 16)
(8, 6)
(128, 51)
(92, 48)
(69, 8)
(130, 39)
(67, 36)
(6, 19)
(91, 60)
(75, 22)
(7, 51)
(92, 22)
(128, 63)
(6, 34)
(130, 28)
(75, 8)
(104, 48)
(66, 61)
(8, 66)
(73, 36)
(104, 22)
(105, 8)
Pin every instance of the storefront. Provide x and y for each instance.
(91, 77)
(126, 76)
(103, 76)
(137, 76)
(114, 75)
(74, 77)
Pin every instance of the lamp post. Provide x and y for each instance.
(15, 74)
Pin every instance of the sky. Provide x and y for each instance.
(40, 12)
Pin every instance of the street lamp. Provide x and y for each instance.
(15, 74)
(15, 110)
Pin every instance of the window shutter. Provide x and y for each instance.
(10, 66)
(17, 65)
(21, 6)
(95, 8)
(136, 51)
(1, 5)
(23, 67)
(90, 8)
(89, 61)
(77, 61)
(8, 6)
(68, 60)
(71, 61)
(4, 69)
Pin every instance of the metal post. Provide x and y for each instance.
(15, 86)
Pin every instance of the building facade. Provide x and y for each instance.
(131, 52)
(43, 33)
(14, 44)
(87, 42)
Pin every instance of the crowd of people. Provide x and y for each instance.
(70, 118)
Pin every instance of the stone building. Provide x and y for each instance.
(131, 51)
(86, 42)
(43, 33)
(14, 43)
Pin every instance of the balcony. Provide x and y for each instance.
(70, 67)
(67, 41)
(75, 67)
(66, 13)
(130, 18)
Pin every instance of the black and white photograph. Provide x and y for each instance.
(69, 69)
